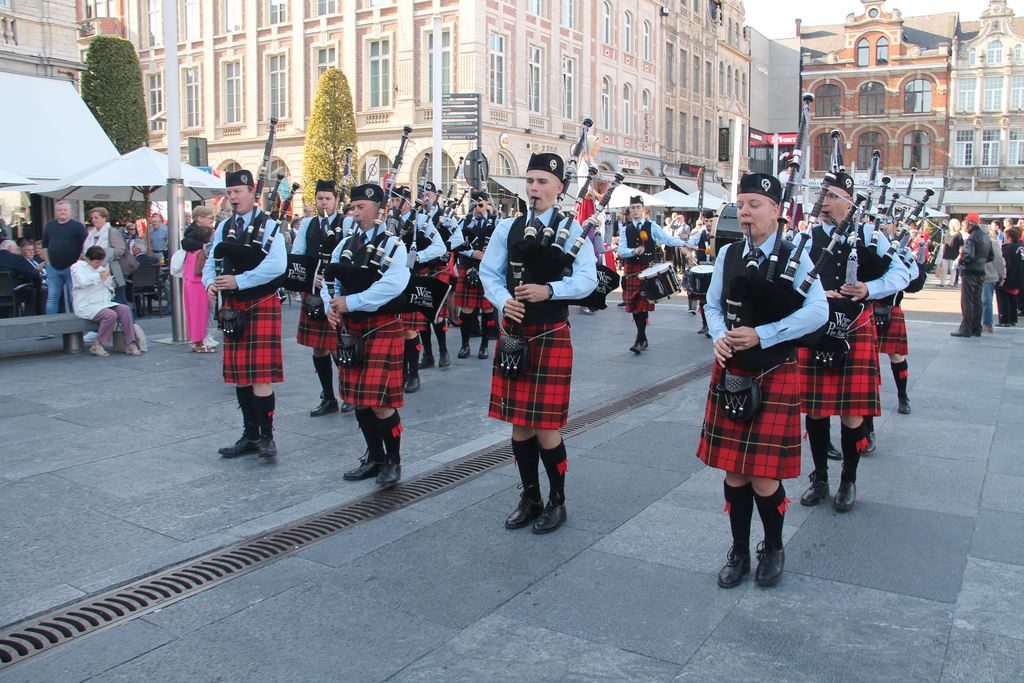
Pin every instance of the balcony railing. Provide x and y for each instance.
(377, 118)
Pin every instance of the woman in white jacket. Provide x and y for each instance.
(92, 293)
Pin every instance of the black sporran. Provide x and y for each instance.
(473, 278)
(315, 308)
(739, 397)
(350, 351)
(512, 357)
(233, 322)
(882, 316)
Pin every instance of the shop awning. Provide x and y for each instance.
(645, 180)
(687, 185)
(984, 202)
(49, 132)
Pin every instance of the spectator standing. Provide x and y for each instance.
(1008, 291)
(951, 246)
(63, 241)
(995, 273)
(197, 303)
(977, 252)
(158, 237)
(92, 297)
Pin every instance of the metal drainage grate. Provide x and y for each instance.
(142, 596)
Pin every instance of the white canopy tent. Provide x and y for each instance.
(677, 200)
(11, 179)
(623, 193)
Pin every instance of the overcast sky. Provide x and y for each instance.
(776, 19)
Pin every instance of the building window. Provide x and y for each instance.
(278, 11)
(380, 73)
(232, 92)
(918, 97)
(872, 99)
(965, 148)
(683, 67)
(822, 152)
(569, 13)
(277, 76)
(966, 89)
(534, 7)
(326, 58)
(1017, 92)
(568, 88)
(670, 52)
(708, 79)
(192, 117)
(743, 89)
(156, 23)
(882, 51)
(627, 32)
(504, 165)
(534, 70)
(324, 7)
(645, 39)
(696, 136)
(994, 53)
(990, 148)
(696, 76)
(993, 95)
(155, 100)
(863, 52)
(93, 8)
(721, 80)
(627, 110)
(1016, 148)
(606, 24)
(446, 64)
(497, 69)
(867, 143)
(826, 100)
(917, 150)
(972, 56)
(1018, 54)
(730, 89)
(708, 149)
(232, 16)
(606, 104)
(670, 125)
(682, 132)
(193, 20)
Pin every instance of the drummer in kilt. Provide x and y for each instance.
(536, 401)
(637, 250)
(469, 242)
(318, 235)
(440, 270)
(245, 270)
(759, 453)
(372, 383)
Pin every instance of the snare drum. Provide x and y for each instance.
(659, 281)
(698, 280)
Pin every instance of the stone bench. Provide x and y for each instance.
(67, 324)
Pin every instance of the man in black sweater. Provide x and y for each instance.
(977, 252)
(63, 239)
(22, 273)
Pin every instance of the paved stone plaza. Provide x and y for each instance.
(110, 472)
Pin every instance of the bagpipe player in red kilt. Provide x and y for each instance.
(371, 273)
(249, 258)
(469, 241)
(529, 275)
(754, 348)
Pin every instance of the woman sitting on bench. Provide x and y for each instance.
(92, 295)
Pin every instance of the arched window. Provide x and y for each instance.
(728, 82)
(504, 165)
(606, 23)
(743, 88)
(917, 150)
(721, 79)
(872, 99)
(826, 100)
(994, 53)
(730, 31)
(863, 52)
(646, 38)
(627, 110)
(867, 143)
(230, 166)
(277, 166)
(606, 104)
(882, 51)
(447, 170)
(918, 97)
(627, 32)
(645, 101)
(822, 152)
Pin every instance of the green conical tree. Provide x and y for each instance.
(332, 128)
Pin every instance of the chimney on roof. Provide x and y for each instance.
(798, 22)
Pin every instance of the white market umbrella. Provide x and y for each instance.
(621, 195)
(677, 200)
(11, 179)
(135, 176)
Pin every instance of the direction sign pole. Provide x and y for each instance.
(436, 57)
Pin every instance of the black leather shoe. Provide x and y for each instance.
(549, 520)
(833, 452)
(737, 565)
(365, 470)
(770, 561)
(444, 360)
(241, 447)
(621, 304)
(644, 345)
(702, 330)
(904, 408)
(637, 347)
(463, 352)
(325, 407)
(412, 385)
(268, 449)
(870, 448)
(347, 407)
(483, 353)
(527, 511)
(846, 496)
(426, 362)
(816, 492)
(960, 334)
(389, 474)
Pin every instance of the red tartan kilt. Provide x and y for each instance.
(632, 292)
(893, 339)
(377, 383)
(316, 334)
(470, 298)
(851, 389)
(538, 398)
(769, 445)
(255, 358)
(414, 322)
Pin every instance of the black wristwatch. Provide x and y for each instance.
(551, 292)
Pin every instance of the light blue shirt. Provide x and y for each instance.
(806, 319)
(696, 237)
(158, 237)
(459, 239)
(577, 285)
(393, 280)
(436, 249)
(895, 278)
(658, 234)
(299, 243)
(269, 269)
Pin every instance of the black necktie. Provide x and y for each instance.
(358, 242)
(324, 225)
(239, 225)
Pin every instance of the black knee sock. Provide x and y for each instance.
(464, 326)
(427, 342)
(263, 408)
(773, 513)
(527, 458)
(818, 437)
(250, 429)
(854, 440)
(869, 425)
(703, 318)
(412, 357)
(441, 332)
(555, 464)
(486, 327)
(739, 505)
(390, 429)
(640, 320)
(900, 373)
(371, 433)
(325, 372)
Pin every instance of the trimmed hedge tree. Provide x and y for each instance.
(332, 128)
